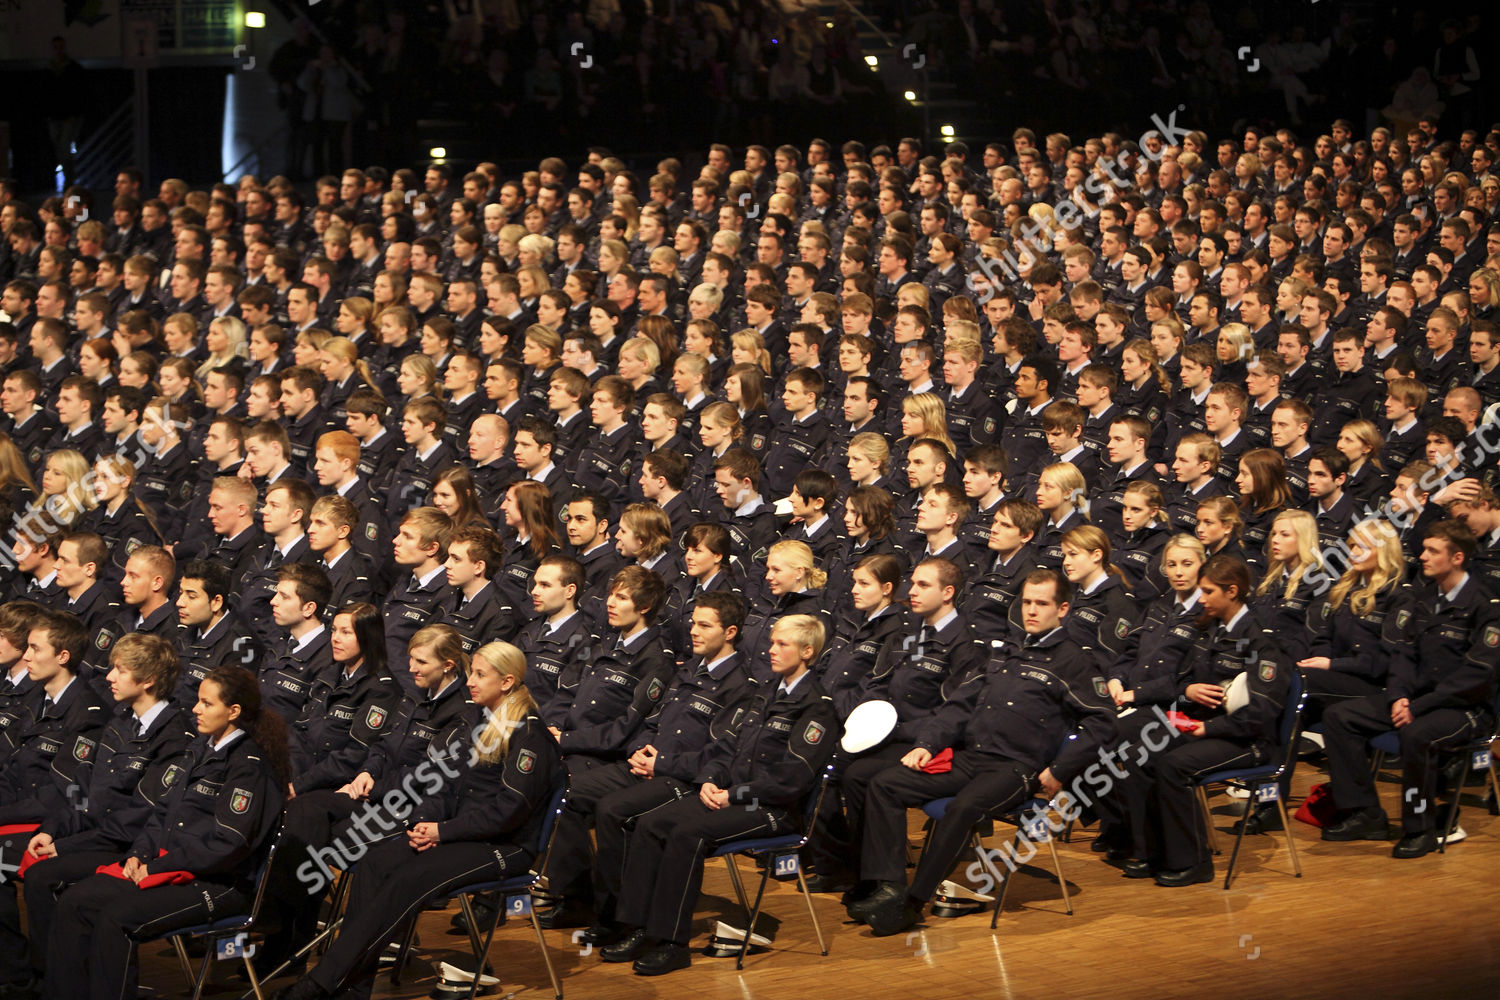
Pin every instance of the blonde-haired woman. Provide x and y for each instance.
(1149, 677)
(1295, 575)
(923, 415)
(343, 372)
(486, 825)
(226, 340)
(749, 348)
(65, 495)
(1062, 496)
(794, 583)
(869, 460)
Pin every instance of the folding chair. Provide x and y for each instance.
(515, 885)
(1261, 782)
(781, 854)
(1035, 828)
(232, 930)
(1476, 754)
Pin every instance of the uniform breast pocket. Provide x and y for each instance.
(612, 696)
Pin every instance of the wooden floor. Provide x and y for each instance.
(1357, 924)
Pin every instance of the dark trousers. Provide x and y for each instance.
(1327, 688)
(1124, 815)
(15, 961)
(313, 821)
(1176, 835)
(981, 786)
(390, 887)
(570, 864)
(44, 881)
(664, 860)
(1348, 726)
(91, 951)
(614, 815)
(837, 832)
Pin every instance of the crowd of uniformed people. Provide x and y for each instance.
(370, 521)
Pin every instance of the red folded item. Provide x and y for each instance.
(11, 829)
(1184, 723)
(1318, 808)
(26, 862)
(941, 762)
(117, 870)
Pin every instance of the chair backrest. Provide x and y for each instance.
(555, 805)
(1291, 718)
(263, 875)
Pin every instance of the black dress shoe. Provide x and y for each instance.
(860, 892)
(568, 913)
(894, 916)
(829, 883)
(303, 989)
(1415, 845)
(1138, 869)
(1365, 824)
(662, 959)
(1264, 819)
(600, 935)
(1203, 871)
(888, 892)
(627, 949)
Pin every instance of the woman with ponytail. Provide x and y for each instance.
(1102, 612)
(195, 859)
(344, 371)
(483, 822)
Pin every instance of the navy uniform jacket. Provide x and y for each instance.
(783, 745)
(411, 481)
(973, 418)
(1160, 643)
(1218, 656)
(551, 657)
(504, 801)
(1024, 440)
(517, 568)
(302, 434)
(238, 555)
(1138, 555)
(1453, 661)
(616, 692)
(600, 564)
(124, 531)
(95, 607)
(699, 710)
(410, 606)
(226, 643)
(14, 713)
(212, 814)
(1024, 704)
(353, 582)
(371, 537)
(1348, 396)
(919, 668)
(160, 485)
(95, 667)
(343, 716)
(259, 585)
(989, 600)
(53, 741)
(840, 569)
(793, 447)
(483, 619)
(418, 727)
(606, 463)
(287, 673)
(1101, 621)
(1182, 504)
(1286, 617)
(110, 813)
(851, 655)
(1363, 645)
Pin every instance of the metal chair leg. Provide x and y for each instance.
(557, 990)
(807, 898)
(202, 981)
(1494, 791)
(480, 951)
(1208, 820)
(470, 924)
(254, 982)
(1239, 837)
(1291, 842)
(1377, 762)
(734, 878)
(1057, 867)
(404, 951)
(765, 877)
(182, 958)
(1458, 793)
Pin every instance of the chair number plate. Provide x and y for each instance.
(232, 948)
(1481, 760)
(788, 864)
(518, 906)
(1267, 793)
